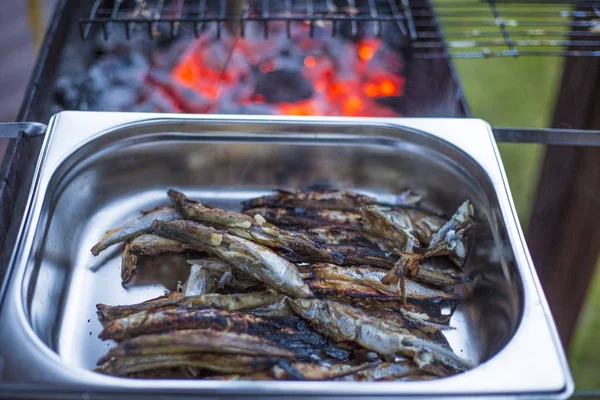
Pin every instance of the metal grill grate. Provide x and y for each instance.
(134, 14)
(452, 28)
(500, 28)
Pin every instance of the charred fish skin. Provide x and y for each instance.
(254, 229)
(327, 199)
(382, 371)
(198, 236)
(343, 322)
(151, 245)
(335, 235)
(123, 366)
(290, 333)
(135, 228)
(381, 225)
(365, 276)
(197, 341)
(229, 302)
(344, 200)
(128, 264)
(308, 218)
(173, 317)
(195, 210)
(253, 259)
(279, 308)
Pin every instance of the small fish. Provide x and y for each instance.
(306, 371)
(291, 333)
(307, 217)
(388, 234)
(334, 235)
(450, 239)
(135, 228)
(129, 263)
(222, 363)
(371, 277)
(152, 245)
(336, 288)
(418, 223)
(314, 372)
(344, 200)
(197, 341)
(439, 277)
(345, 323)
(230, 302)
(278, 308)
(383, 371)
(352, 255)
(355, 255)
(173, 317)
(256, 260)
(249, 228)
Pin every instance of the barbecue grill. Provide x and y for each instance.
(471, 29)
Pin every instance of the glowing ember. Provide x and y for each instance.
(324, 75)
(367, 48)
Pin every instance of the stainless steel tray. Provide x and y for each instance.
(98, 169)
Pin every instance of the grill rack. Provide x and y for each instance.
(471, 28)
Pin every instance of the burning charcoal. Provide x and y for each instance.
(188, 99)
(283, 86)
(158, 101)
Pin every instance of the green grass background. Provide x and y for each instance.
(522, 92)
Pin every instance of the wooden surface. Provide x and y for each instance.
(564, 230)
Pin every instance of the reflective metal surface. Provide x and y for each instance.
(99, 169)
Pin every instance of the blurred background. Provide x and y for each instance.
(517, 92)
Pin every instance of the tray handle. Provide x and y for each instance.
(11, 130)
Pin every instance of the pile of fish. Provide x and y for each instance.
(314, 285)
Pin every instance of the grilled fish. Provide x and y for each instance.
(129, 263)
(254, 229)
(326, 199)
(151, 245)
(345, 323)
(290, 333)
(123, 366)
(308, 218)
(353, 255)
(383, 371)
(278, 308)
(335, 235)
(306, 371)
(371, 277)
(389, 235)
(450, 239)
(230, 302)
(173, 317)
(135, 228)
(197, 341)
(253, 259)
